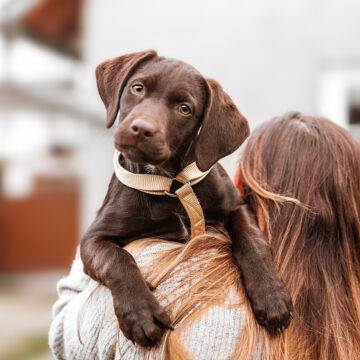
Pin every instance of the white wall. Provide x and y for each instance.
(267, 54)
(270, 55)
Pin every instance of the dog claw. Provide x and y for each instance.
(171, 327)
(133, 342)
(291, 314)
(282, 328)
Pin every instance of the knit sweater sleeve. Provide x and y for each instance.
(77, 330)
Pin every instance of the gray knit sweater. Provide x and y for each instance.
(91, 319)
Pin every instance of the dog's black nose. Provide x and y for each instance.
(142, 128)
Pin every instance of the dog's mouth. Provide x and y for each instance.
(143, 156)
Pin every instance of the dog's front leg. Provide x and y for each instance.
(270, 300)
(140, 316)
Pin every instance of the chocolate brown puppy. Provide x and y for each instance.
(169, 117)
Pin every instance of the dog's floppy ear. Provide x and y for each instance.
(112, 76)
(223, 128)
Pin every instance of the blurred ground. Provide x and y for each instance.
(25, 312)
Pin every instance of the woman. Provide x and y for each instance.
(301, 177)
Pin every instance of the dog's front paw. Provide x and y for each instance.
(141, 318)
(272, 308)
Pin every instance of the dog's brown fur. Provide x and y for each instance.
(154, 130)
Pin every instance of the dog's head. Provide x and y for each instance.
(165, 104)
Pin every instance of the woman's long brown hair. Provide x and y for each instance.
(301, 176)
(316, 244)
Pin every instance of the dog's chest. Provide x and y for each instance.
(169, 214)
(165, 216)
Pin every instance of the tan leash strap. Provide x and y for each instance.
(161, 185)
(193, 209)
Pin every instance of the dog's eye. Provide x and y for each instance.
(184, 109)
(137, 88)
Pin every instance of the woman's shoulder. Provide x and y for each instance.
(84, 322)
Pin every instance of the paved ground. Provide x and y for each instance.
(25, 313)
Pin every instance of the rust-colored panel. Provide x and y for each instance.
(56, 23)
(40, 231)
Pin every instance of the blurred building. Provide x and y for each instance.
(46, 127)
(270, 56)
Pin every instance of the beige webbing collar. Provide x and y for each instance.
(161, 185)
